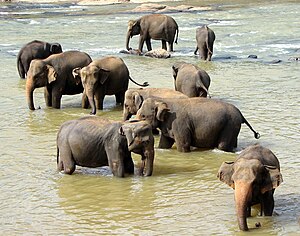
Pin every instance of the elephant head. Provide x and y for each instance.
(54, 48)
(133, 101)
(250, 179)
(40, 74)
(91, 76)
(134, 28)
(140, 140)
(153, 112)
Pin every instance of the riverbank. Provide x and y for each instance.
(87, 2)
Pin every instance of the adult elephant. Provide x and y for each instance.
(35, 50)
(55, 74)
(190, 80)
(153, 26)
(205, 38)
(105, 76)
(254, 175)
(197, 122)
(94, 142)
(134, 98)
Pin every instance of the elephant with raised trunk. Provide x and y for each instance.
(95, 142)
(105, 76)
(205, 38)
(134, 98)
(35, 50)
(153, 26)
(197, 122)
(254, 175)
(55, 74)
(190, 80)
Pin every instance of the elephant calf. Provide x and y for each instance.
(254, 175)
(94, 142)
(190, 80)
(205, 38)
(134, 98)
(197, 122)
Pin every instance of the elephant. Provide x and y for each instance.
(92, 141)
(153, 26)
(197, 122)
(190, 80)
(35, 50)
(105, 76)
(205, 38)
(55, 74)
(134, 98)
(253, 175)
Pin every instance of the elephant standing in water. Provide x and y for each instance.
(254, 175)
(197, 122)
(35, 50)
(205, 38)
(55, 74)
(190, 80)
(106, 76)
(94, 142)
(134, 98)
(154, 26)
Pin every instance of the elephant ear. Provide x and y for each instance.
(138, 100)
(52, 75)
(161, 110)
(225, 173)
(103, 75)
(76, 74)
(55, 48)
(272, 179)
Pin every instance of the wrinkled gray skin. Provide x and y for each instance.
(254, 175)
(205, 38)
(197, 122)
(94, 142)
(190, 80)
(55, 74)
(154, 26)
(35, 50)
(106, 76)
(134, 98)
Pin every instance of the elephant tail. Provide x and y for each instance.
(256, 134)
(21, 69)
(177, 31)
(57, 154)
(145, 84)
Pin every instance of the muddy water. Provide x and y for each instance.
(183, 197)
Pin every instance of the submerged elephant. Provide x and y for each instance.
(35, 50)
(254, 175)
(190, 80)
(134, 98)
(205, 38)
(106, 76)
(94, 142)
(197, 122)
(153, 26)
(55, 74)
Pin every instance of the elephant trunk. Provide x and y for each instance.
(149, 153)
(90, 95)
(126, 114)
(29, 93)
(127, 40)
(242, 194)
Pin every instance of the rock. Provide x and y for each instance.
(131, 52)
(158, 53)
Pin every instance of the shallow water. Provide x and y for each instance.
(183, 196)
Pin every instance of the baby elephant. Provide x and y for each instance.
(94, 142)
(190, 80)
(254, 175)
(205, 38)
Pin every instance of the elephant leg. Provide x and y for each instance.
(141, 42)
(99, 101)
(171, 47)
(56, 99)
(148, 43)
(165, 142)
(120, 97)
(84, 100)
(195, 52)
(66, 161)
(48, 97)
(163, 44)
(116, 164)
(183, 145)
(128, 164)
(228, 138)
(267, 204)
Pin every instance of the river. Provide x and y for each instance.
(184, 196)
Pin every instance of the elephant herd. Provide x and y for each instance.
(185, 116)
